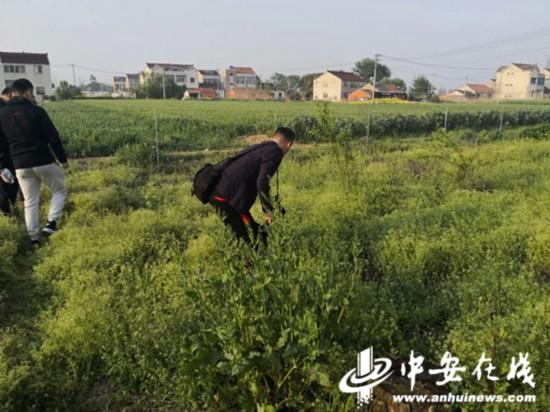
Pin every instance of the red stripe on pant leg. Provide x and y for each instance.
(245, 218)
(219, 199)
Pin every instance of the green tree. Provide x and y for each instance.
(306, 85)
(152, 88)
(66, 91)
(290, 84)
(365, 68)
(279, 81)
(421, 88)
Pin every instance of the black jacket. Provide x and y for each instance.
(5, 158)
(30, 134)
(249, 175)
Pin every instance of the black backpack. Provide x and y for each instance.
(209, 175)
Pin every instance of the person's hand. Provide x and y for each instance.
(6, 176)
(268, 218)
(65, 165)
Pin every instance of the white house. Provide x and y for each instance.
(241, 77)
(132, 81)
(182, 74)
(34, 67)
(125, 86)
(119, 84)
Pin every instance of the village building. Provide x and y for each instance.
(34, 67)
(386, 90)
(181, 74)
(519, 81)
(335, 85)
(469, 91)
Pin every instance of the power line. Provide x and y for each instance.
(441, 66)
(532, 35)
(506, 55)
(89, 68)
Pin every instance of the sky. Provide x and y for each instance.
(470, 38)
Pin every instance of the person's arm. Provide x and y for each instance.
(3, 153)
(51, 135)
(270, 162)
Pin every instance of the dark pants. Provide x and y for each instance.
(8, 196)
(240, 223)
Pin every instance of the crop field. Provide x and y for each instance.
(433, 243)
(102, 127)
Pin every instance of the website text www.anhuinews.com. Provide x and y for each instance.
(465, 398)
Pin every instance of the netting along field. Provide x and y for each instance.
(100, 127)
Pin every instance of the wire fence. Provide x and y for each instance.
(111, 134)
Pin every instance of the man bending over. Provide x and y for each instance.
(248, 177)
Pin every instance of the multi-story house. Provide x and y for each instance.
(32, 66)
(126, 86)
(241, 77)
(182, 74)
(335, 85)
(209, 79)
(119, 84)
(132, 81)
(519, 81)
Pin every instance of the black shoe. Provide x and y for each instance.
(50, 228)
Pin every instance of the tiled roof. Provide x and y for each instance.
(346, 76)
(133, 76)
(479, 88)
(389, 87)
(24, 58)
(526, 66)
(521, 66)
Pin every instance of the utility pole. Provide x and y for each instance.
(157, 140)
(163, 84)
(74, 75)
(376, 55)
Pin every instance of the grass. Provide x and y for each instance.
(432, 244)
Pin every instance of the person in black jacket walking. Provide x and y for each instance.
(247, 178)
(32, 138)
(8, 183)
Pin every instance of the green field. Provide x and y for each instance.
(266, 110)
(101, 127)
(142, 302)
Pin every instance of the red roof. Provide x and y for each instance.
(346, 76)
(479, 88)
(389, 87)
(24, 58)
